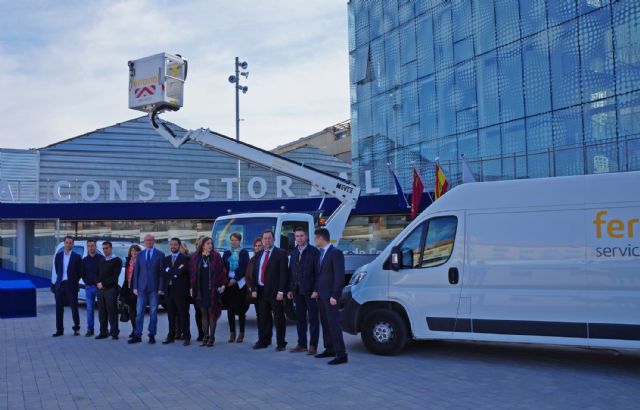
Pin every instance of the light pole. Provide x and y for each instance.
(235, 79)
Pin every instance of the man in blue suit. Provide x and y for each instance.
(146, 285)
(328, 289)
(67, 265)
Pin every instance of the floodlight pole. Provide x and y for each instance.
(238, 102)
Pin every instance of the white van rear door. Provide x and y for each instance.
(429, 284)
(613, 275)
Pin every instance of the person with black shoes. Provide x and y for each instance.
(107, 282)
(207, 286)
(328, 289)
(174, 284)
(127, 295)
(89, 274)
(192, 301)
(270, 283)
(235, 262)
(67, 266)
(302, 274)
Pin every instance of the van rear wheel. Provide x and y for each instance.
(384, 332)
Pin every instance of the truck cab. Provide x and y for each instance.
(251, 226)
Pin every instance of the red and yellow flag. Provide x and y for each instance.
(441, 182)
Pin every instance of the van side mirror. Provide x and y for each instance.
(291, 241)
(396, 258)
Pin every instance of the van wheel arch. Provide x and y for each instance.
(395, 306)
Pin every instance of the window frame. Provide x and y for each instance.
(423, 237)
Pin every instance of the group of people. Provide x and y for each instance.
(312, 277)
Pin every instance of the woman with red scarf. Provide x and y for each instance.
(208, 282)
(126, 294)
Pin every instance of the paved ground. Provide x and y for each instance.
(38, 371)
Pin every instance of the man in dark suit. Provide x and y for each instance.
(302, 273)
(270, 277)
(67, 265)
(328, 289)
(109, 269)
(146, 285)
(174, 284)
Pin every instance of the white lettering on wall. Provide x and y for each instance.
(252, 189)
(229, 182)
(368, 186)
(173, 196)
(202, 189)
(57, 191)
(145, 187)
(84, 191)
(120, 189)
(283, 185)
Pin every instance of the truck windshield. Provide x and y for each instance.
(249, 228)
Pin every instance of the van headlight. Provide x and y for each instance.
(357, 277)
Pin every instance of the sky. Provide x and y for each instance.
(63, 65)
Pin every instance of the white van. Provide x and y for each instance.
(549, 260)
(120, 249)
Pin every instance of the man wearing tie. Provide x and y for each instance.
(328, 289)
(67, 266)
(146, 284)
(270, 276)
(174, 284)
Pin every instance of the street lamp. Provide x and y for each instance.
(235, 79)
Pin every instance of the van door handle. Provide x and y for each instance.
(453, 276)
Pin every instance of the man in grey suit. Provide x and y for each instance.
(146, 284)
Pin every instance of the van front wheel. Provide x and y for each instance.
(384, 332)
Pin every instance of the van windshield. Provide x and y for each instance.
(249, 228)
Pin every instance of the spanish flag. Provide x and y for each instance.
(441, 182)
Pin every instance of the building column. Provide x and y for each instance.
(21, 245)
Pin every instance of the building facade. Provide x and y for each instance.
(521, 88)
(336, 140)
(123, 181)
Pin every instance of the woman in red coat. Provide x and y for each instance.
(208, 282)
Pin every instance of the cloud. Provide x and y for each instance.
(63, 68)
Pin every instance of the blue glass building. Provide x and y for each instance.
(521, 88)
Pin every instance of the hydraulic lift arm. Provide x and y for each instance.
(345, 191)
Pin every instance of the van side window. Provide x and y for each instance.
(439, 241)
(411, 248)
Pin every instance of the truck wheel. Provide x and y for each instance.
(384, 332)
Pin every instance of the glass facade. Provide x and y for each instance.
(8, 245)
(520, 88)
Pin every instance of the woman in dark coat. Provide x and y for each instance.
(208, 282)
(235, 263)
(126, 293)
